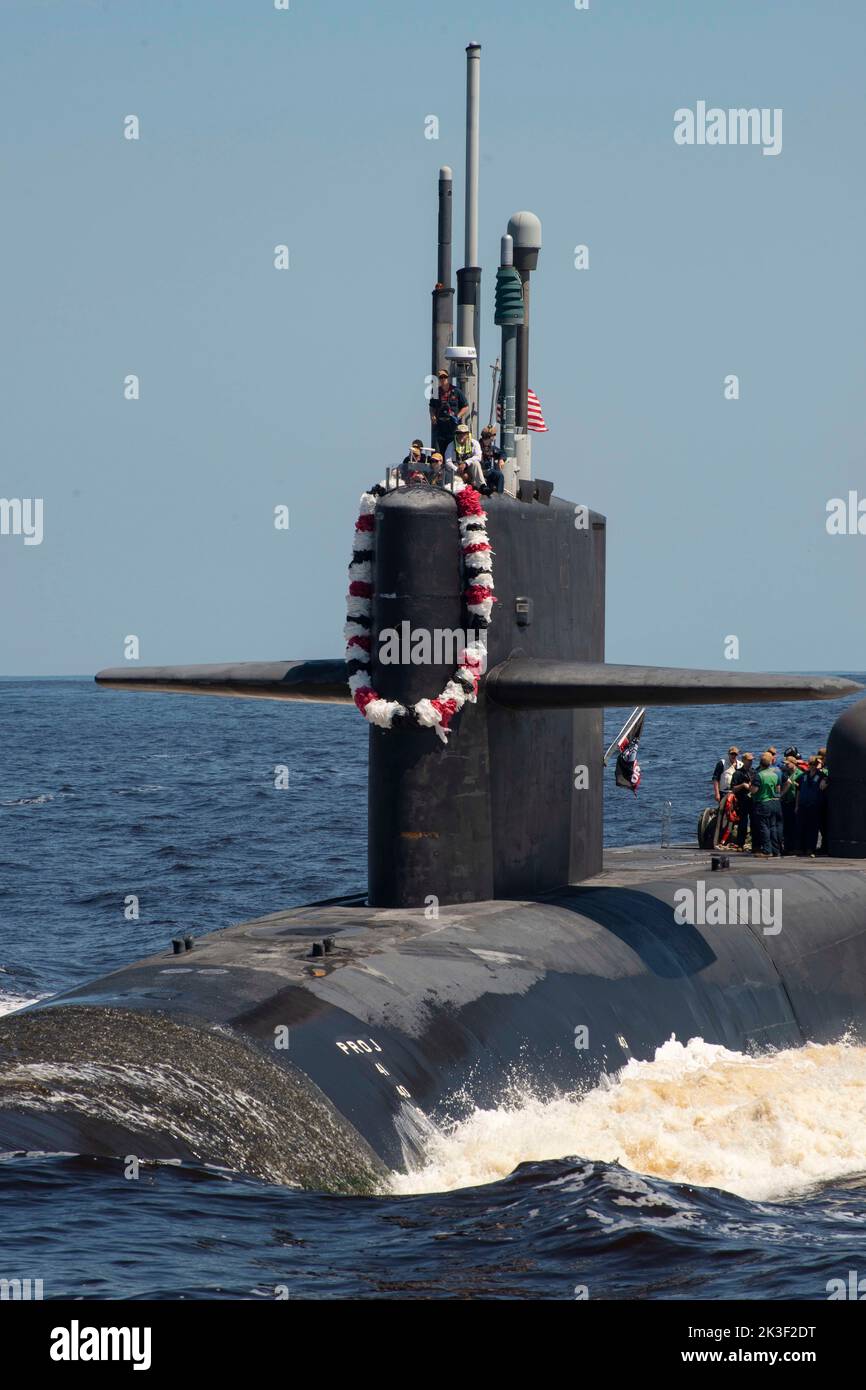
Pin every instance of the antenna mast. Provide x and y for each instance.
(469, 277)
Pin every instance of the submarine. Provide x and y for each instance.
(495, 945)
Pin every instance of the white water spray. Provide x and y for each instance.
(762, 1127)
(11, 1003)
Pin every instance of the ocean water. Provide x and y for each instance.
(700, 1174)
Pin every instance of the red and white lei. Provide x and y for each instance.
(478, 597)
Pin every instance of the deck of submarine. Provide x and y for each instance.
(227, 964)
(624, 866)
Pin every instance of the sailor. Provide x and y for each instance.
(821, 755)
(791, 774)
(794, 752)
(492, 459)
(463, 457)
(741, 783)
(767, 822)
(723, 773)
(811, 790)
(437, 469)
(414, 467)
(447, 410)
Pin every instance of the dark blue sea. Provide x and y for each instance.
(103, 795)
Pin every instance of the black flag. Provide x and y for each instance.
(627, 765)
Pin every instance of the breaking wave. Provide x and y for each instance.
(762, 1127)
(11, 1002)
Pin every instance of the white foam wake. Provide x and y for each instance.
(763, 1127)
(9, 1003)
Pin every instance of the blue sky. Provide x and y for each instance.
(261, 387)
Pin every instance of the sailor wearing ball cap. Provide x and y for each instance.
(463, 457)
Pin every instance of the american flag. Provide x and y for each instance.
(627, 766)
(534, 417)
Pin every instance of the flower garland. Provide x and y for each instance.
(478, 596)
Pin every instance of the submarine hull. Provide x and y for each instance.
(330, 1070)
